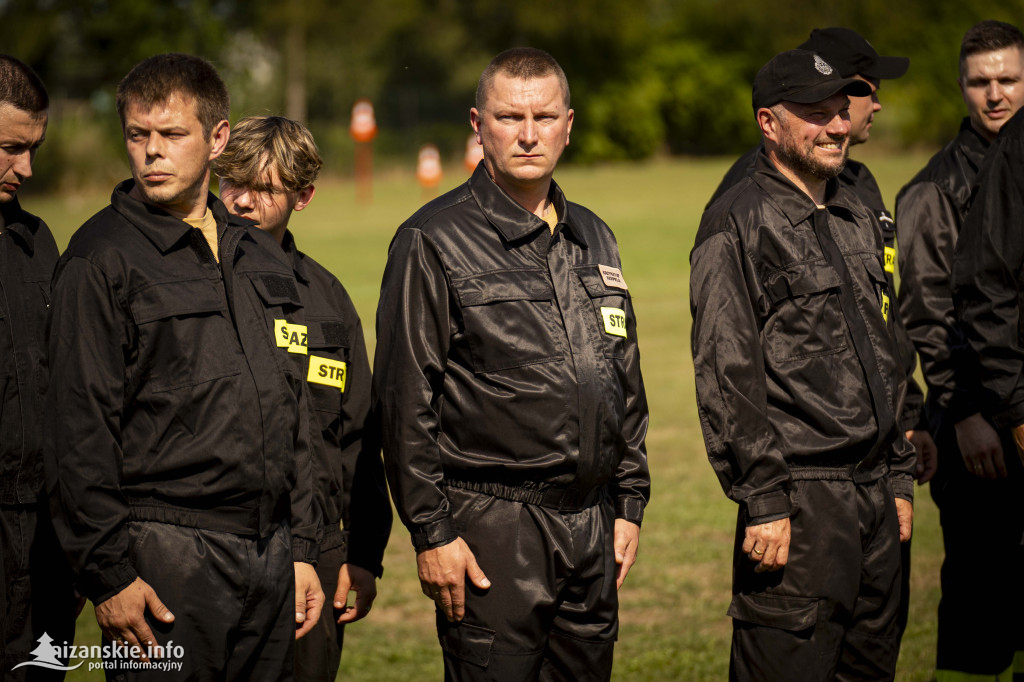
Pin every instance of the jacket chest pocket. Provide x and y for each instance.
(185, 336)
(610, 307)
(805, 319)
(327, 374)
(509, 319)
(281, 308)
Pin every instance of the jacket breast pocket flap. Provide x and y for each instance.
(276, 290)
(175, 299)
(805, 317)
(509, 318)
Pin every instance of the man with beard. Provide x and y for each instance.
(179, 462)
(854, 57)
(980, 482)
(797, 391)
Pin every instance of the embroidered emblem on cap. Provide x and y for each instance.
(822, 66)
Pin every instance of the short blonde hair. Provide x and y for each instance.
(259, 142)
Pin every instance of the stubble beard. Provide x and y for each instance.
(804, 162)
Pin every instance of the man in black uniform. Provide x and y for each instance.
(798, 390)
(854, 57)
(179, 464)
(37, 596)
(513, 410)
(268, 170)
(980, 482)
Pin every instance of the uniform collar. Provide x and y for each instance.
(971, 143)
(294, 256)
(159, 226)
(512, 220)
(16, 221)
(791, 200)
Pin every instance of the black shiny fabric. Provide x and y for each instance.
(780, 377)
(988, 274)
(832, 612)
(860, 181)
(171, 401)
(930, 212)
(551, 610)
(351, 488)
(496, 361)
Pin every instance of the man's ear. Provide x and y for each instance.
(305, 196)
(219, 139)
(768, 123)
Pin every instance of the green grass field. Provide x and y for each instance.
(673, 604)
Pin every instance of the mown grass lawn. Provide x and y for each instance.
(673, 604)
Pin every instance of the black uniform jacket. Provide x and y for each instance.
(350, 487)
(931, 210)
(506, 354)
(27, 257)
(792, 344)
(861, 182)
(988, 274)
(171, 400)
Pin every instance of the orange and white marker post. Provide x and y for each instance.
(363, 129)
(474, 153)
(428, 169)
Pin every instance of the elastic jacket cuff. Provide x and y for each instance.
(758, 520)
(775, 504)
(630, 509)
(305, 551)
(101, 585)
(902, 486)
(435, 534)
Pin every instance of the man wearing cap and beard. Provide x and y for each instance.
(798, 387)
(854, 57)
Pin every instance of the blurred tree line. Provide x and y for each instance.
(648, 77)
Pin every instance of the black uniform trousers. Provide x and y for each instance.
(980, 624)
(551, 612)
(318, 654)
(832, 613)
(37, 596)
(232, 596)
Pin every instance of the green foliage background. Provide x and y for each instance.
(649, 77)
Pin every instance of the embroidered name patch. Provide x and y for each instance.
(614, 321)
(890, 259)
(612, 277)
(327, 372)
(294, 337)
(885, 307)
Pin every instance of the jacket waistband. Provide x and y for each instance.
(847, 472)
(560, 498)
(235, 520)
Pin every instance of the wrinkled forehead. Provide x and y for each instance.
(515, 89)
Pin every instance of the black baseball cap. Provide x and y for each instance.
(804, 77)
(852, 54)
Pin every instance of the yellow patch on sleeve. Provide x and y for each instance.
(327, 372)
(885, 307)
(890, 259)
(294, 337)
(614, 321)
